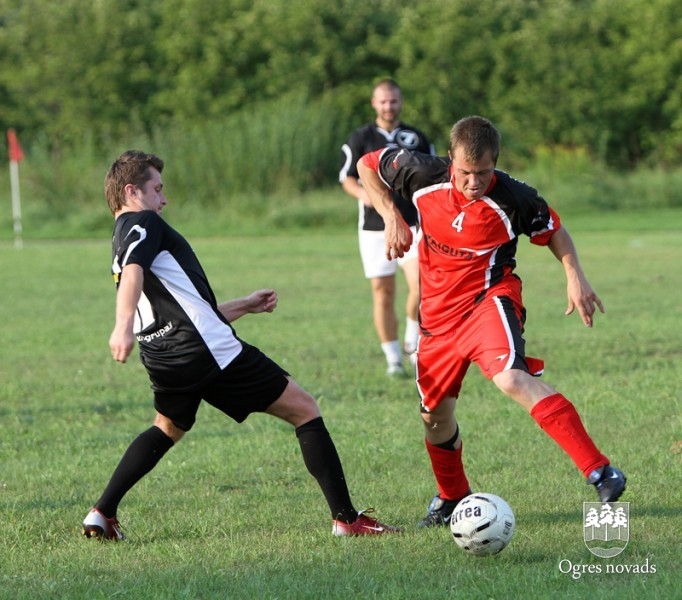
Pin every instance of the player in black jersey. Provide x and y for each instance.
(386, 131)
(192, 353)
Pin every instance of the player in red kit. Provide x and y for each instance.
(471, 311)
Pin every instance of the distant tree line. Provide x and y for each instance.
(601, 75)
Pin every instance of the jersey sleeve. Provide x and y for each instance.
(406, 172)
(535, 218)
(137, 241)
(527, 210)
(547, 224)
(371, 159)
(351, 152)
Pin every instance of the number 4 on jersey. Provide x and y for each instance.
(457, 223)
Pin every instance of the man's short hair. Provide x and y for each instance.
(387, 82)
(133, 167)
(475, 136)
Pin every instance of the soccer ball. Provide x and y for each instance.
(482, 524)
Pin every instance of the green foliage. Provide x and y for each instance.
(283, 145)
(573, 182)
(233, 176)
(594, 74)
(231, 512)
(249, 101)
(600, 75)
(255, 166)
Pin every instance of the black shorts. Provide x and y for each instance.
(250, 383)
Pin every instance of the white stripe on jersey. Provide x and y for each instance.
(504, 217)
(343, 173)
(144, 315)
(218, 337)
(428, 189)
(507, 329)
(143, 235)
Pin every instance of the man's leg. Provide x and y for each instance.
(321, 459)
(386, 322)
(411, 336)
(496, 339)
(381, 274)
(559, 419)
(444, 446)
(140, 458)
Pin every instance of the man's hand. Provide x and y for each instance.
(579, 291)
(397, 232)
(121, 343)
(261, 301)
(398, 236)
(583, 297)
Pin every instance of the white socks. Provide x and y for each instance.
(411, 335)
(393, 352)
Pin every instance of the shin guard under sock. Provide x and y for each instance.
(560, 420)
(323, 463)
(448, 469)
(141, 457)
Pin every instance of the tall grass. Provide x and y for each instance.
(574, 182)
(230, 512)
(274, 167)
(243, 167)
(286, 146)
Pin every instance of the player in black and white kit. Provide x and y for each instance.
(192, 353)
(386, 131)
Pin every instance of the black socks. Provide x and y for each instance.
(318, 450)
(323, 463)
(141, 457)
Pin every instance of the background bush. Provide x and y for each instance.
(249, 101)
(597, 74)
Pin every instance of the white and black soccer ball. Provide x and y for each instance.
(482, 524)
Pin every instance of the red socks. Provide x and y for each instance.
(555, 415)
(449, 471)
(560, 420)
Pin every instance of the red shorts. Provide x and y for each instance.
(490, 336)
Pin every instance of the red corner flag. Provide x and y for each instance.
(15, 151)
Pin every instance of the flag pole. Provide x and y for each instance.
(16, 155)
(16, 203)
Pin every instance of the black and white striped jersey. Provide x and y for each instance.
(182, 337)
(371, 137)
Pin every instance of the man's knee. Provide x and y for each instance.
(295, 405)
(522, 387)
(442, 417)
(168, 427)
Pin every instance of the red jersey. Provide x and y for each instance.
(467, 247)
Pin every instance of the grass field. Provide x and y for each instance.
(231, 512)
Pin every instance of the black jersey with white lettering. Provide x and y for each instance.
(182, 336)
(371, 137)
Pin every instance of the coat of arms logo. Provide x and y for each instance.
(606, 527)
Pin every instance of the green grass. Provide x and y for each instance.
(232, 513)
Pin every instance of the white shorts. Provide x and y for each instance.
(373, 253)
